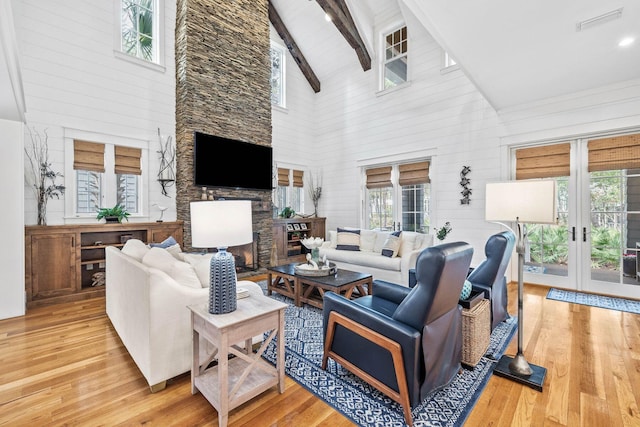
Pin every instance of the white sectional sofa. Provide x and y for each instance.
(369, 258)
(147, 294)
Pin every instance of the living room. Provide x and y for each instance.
(76, 86)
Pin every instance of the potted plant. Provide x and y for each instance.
(441, 233)
(114, 214)
(287, 212)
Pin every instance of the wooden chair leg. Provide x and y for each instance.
(401, 396)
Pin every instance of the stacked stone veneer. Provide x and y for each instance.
(223, 89)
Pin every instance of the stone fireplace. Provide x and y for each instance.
(223, 89)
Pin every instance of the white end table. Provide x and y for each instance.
(234, 381)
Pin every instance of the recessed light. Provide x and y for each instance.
(626, 41)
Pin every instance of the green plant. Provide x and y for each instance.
(287, 212)
(441, 233)
(117, 211)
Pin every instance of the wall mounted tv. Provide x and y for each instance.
(224, 162)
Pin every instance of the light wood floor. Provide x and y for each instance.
(65, 365)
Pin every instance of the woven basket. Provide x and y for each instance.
(476, 329)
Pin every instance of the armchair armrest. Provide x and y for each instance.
(399, 332)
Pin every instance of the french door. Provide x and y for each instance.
(593, 246)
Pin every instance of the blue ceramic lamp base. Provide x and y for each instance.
(222, 288)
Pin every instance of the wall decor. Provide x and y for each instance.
(465, 182)
(166, 172)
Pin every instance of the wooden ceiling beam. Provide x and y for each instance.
(342, 19)
(288, 40)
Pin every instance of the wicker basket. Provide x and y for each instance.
(476, 329)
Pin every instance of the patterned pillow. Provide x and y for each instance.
(392, 245)
(169, 241)
(348, 240)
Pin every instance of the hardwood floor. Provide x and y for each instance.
(65, 365)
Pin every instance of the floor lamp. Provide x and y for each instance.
(220, 224)
(521, 202)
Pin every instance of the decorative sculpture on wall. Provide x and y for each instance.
(465, 183)
(166, 173)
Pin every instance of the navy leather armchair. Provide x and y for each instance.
(407, 342)
(488, 276)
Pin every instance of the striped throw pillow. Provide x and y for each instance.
(348, 240)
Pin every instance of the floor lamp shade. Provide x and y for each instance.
(220, 224)
(531, 201)
(522, 201)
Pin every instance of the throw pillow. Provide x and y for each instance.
(348, 240)
(392, 245)
(169, 241)
(201, 263)
(179, 271)
(466, 290)
(135, 249)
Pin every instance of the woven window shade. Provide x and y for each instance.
(414, 173)
(379, 177)
(298, 178)
(543, 162)
(283, 177)
(127, 160)
(618, 152)
(88, 156)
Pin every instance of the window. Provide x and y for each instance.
(277, 76)
(395, 58)
(290, 190)
(106, 174)
(398, 197)
(139, 29)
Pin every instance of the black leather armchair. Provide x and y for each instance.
(404, 341)
(488, 276)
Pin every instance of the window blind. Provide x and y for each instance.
(283, 177)
(545, 161)
(618, 152)
(298, 178)
(379, 177)
(88, 156)
(127, 160)
(414, 173)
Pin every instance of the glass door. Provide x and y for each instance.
(611, 232)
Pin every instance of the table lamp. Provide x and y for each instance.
(220, 224)
(532, 201)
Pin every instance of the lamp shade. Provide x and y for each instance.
(531, 201)
(221, 223)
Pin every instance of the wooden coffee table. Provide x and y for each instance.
(310, 289)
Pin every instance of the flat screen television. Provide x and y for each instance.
(224, 162)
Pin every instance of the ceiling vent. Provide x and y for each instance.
(600, 19)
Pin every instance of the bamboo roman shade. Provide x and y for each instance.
(546, 161)
(88, 156)
(414, 173)
(618, 152)
(283, 177)
(379, 177)
(298, 178)
(127, 160)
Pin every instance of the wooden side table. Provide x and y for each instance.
(234, 381)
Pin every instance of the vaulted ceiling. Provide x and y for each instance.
(514, 52)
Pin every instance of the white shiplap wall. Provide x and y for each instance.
(73, 80)
(439, 115)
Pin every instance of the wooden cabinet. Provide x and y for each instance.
(61, 261)
(287, 234)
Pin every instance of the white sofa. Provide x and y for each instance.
(148, 309)
(369, 258)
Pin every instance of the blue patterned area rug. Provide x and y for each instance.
(363, 404)
(601, 301)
